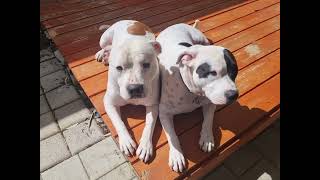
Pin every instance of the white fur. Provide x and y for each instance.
(129, 51)
(177, 67)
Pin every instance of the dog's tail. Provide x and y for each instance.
(104, 27)
(196, 23)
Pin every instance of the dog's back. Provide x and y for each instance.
(181, 33)
(170, 38)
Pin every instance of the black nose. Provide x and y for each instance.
(135, 90)
(231, 95)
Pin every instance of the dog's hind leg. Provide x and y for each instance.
(105, 44)
(107, 37)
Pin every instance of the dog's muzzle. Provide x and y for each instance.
(135, 90)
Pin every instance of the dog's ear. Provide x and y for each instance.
(186, 57)
(231, 62)
(156, 46)
(103, 55)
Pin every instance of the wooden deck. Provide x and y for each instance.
(250, 29)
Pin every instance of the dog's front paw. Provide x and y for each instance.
(144, 150)
(206, 141)
(127, 145)
(176, 160)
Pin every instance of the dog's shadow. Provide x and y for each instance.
(229, 122)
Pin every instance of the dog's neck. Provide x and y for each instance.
(186, 76)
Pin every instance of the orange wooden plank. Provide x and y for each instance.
(50, 6)
(73, 47)
(243, 38)
(255, 6)
(219, 156)
(253, 74)
(54, 10)
(244, 56)
(97, 101)
(93, 32)
(88, 69)
(63, 3)
(82, 57)
(270, 65)
(249, 6)
(89, 35)
(211, 22)
(89, 12)
(258, 49)
(233, 42)
(146, 9)
(243, 23)
(95, 84)
(88, 54)
(248, 29)
(265, 45)
(228, 123)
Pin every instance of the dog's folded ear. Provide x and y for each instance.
(231, 62)
(156, 46)
(186, 57)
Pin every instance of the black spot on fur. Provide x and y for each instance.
(185, 44)
(232, 66)
(203, 70)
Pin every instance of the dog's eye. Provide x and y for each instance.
(119, 68)
(213, 73)
(146, 65)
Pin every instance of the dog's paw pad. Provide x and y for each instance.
(176, 160)
(206, 142)
(144, 150)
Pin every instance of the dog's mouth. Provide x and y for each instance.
(137, 96)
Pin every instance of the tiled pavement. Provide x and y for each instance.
(258, 160)
(71, 150)
(70, 147)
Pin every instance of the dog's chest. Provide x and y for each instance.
(178, 98)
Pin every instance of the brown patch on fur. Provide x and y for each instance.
(138, 28)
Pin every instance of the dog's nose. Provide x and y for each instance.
(231, 95)
(135, 90)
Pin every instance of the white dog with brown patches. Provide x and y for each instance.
(130, 49)
(194, 74)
